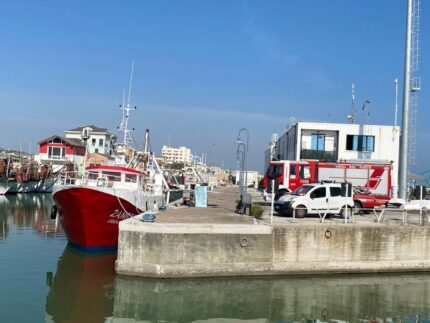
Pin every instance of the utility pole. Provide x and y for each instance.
(404, 138)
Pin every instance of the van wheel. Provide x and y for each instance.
(301, 211)
(346, 212)
(357, 207)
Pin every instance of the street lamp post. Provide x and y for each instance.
(246, 149)
(241, 159)
(365, 105)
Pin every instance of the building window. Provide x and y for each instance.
(318, 141)
(360, 143)
(368, 143)
(56, 141)
(100, 142)
(56, 152)
(93, 142)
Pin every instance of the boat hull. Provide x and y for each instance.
(90, 217)
(41, 186)
(4, 188)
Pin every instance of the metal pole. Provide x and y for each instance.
(273, 201)
(241, 166)
(421, 204)
(404, 138)
(396, 90)
(246, 155)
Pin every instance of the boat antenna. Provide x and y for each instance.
(351, 117)
(127, 139)
(131, 82)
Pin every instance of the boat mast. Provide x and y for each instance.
(146, 147)
(126, 108)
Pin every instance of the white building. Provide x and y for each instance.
(338, 141)
(100, 140)
(177, 155)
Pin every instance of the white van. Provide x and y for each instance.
(318, 198)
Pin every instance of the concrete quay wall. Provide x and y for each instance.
(172, 250)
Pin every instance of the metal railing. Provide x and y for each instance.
(404, 215)
(73, 178)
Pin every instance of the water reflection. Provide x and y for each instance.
(312, 299)
(82, 289)
(28, 211)
(85, 289)
(4, 228)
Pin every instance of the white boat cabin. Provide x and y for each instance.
(114, 176)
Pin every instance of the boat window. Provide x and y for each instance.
(130, 178)
(113, 176)
(92, 175)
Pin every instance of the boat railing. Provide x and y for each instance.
(89, 178)
(70, 178)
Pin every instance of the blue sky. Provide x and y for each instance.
(203, 69)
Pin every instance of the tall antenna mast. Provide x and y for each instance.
(404, 138)
(127, 139)
(353, 103)
(415, 82)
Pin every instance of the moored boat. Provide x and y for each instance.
(25, 177)
(91, 205)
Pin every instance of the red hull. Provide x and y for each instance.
(90, 217)
(82, 288)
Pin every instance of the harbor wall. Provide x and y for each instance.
(172, 250)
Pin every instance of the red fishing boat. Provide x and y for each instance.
(90, 205)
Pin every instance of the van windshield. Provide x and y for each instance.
(302, 190)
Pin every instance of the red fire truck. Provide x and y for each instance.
(371, 180)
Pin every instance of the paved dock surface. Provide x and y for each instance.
(222, 205)
(220, 210)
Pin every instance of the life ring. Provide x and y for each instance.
(54, 210)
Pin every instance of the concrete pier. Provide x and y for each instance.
(170, 249)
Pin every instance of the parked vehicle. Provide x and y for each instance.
(317, 198)
(371, 180)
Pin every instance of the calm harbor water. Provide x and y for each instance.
(44, 280)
